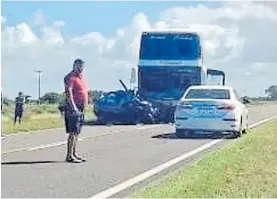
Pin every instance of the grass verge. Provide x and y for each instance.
(39, 123)
(244, 168)
(36, 118)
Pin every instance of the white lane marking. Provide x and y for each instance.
(143, 176)
(126, 184)
(41, 131)
(53, 129)
(262, 121)
(54, 144)
(37, 131)
(14, 150)
(46, 146)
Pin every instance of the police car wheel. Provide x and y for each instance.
(237, 134)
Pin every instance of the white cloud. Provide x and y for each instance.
(3, 19)
(18, 36)
(59, 24)
(237, 38)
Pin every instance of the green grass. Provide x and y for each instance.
(35, 117)
(244, 168)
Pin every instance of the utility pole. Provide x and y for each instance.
(133, 77)
(39, 75)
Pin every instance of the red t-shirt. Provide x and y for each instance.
(79, 88)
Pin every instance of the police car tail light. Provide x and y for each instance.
(226, 107)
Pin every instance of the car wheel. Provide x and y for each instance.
(246, 127)
(245, 130)
(238, 133)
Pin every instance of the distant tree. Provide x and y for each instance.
(272, 92)
(51, 98)
(6, 100)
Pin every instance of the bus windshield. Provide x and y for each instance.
(170, 46)
(168, 83)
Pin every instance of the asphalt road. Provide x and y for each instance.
(33, 164)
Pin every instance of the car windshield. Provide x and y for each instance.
(208, 94)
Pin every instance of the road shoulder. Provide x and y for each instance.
(243, 168)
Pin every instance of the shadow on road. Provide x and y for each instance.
(193, 136)
(30, 162)
(91, 122)
(99, 123)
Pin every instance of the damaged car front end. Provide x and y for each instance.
(125, 107)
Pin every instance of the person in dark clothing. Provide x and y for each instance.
(76, 100)
(19, 108)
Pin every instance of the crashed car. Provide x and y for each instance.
(124, 107)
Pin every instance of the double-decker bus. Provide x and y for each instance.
(169, 62)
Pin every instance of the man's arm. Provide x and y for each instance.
(16, 101)
(86, 98)
(70, 92)
(86, 87)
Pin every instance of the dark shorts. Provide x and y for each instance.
(73, 121)
(18, 113)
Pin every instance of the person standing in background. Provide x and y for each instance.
(19, 108)
(76, 92)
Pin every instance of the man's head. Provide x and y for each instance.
(20, 94)
(78, 66)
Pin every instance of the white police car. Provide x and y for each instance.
(210, 108)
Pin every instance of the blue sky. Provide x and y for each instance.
(91, 25)
(87, 16)
(82, 18)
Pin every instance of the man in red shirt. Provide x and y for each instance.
(76, 100)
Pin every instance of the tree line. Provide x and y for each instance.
(54, 98)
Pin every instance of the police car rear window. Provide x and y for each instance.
(208, 94)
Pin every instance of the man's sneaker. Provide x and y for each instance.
(72, 160)
(79, 158)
